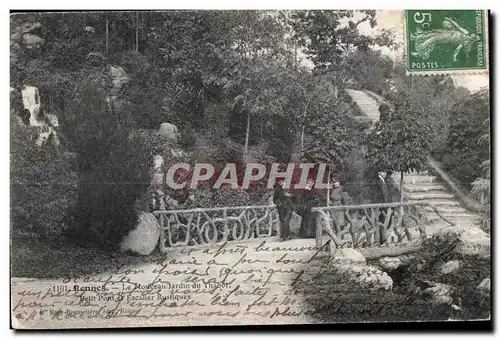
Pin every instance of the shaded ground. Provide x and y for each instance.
(267, 282)
(35, 260)
(404, 302)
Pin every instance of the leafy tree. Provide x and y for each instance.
(112, 168)
(464, 154)
(481, 187)
(401, 142)
(263, 93)
(332, 138)
(328, 36)
(370, 69)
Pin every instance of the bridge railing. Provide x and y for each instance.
(373, 224)
(181, 228)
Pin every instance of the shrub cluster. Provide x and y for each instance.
(112, 167)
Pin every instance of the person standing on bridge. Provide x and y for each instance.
(283, 203)
(307, 226)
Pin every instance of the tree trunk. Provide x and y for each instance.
(328, 188)
(302, 138)
(247, 136)
(107, 34)
(401, 212)
(137, 32)
(295, 53)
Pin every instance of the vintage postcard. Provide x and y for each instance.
(200, 168)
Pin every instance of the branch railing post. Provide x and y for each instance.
(215, 225)
(366, 218)
(210, 225)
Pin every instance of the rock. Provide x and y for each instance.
(29, 34)
(468, 241)
(32, 40)
(144, 238)
(385, 281)
(368, 277)
(179, 153)
(363, 277)
(118, 79)
(438, 294)
(31, 102)
(89, 29)
(295, 223)
(52, 120)
(45, 123)
(485, 285)
(348, 255)
(450, 267)
(389, 263)
(169, 131)
(158, 162)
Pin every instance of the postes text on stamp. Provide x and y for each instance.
(442, 41)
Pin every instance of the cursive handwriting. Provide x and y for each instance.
(230, 281)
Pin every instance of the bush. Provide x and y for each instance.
(43, 187)
(219, 152)
(464, 154)
(187, 138)
(112, 166)
(279, 150)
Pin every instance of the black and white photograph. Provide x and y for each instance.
(186, 168)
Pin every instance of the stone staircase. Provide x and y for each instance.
(424, 187)
(366, 103)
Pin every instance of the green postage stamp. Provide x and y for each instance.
(446, 41)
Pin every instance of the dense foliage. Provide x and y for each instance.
(465, 152)
(401, 142)
(112, 167)
(233, 83)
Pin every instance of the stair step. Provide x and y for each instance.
(412, 173)
(414, 178)
(424, 196)
(447, 209)
(423, 187)
(446, 202)
(417, 179)
(453, 216)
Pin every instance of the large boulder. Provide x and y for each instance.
(449, 267)
(465, 241)
(365, 276)
(143, 239)
(29, 34)
(169, 131)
